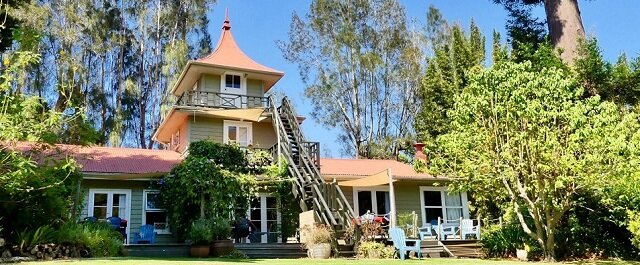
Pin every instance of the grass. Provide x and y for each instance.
(443, 261)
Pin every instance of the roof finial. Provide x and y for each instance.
(226, 25)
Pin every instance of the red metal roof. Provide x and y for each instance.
(228, 54)
(98, 159)
(355, 168)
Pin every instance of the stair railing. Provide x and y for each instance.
(306, 170)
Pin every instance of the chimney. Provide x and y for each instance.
(420, 153)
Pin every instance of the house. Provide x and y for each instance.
(221, 97)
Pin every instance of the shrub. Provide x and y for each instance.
(99, 238)
(201, 232)
(375, 250)
(498, 242)
(236, 254)
(317, 234)
(220, 229)
(29, 237)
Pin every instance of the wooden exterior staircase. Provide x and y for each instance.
(303, 161)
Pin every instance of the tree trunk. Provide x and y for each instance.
(565, 27)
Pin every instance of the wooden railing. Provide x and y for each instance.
(313, 149)
(221, 100)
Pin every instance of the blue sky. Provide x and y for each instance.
(257, 25)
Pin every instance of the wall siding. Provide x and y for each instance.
(136, 187)
(254, 88)
(210, 83)
(264, 136)
(202, 128)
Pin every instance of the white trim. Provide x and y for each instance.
(243, 83)
(374, 199)
(443, 191)
(144, 212)
(126, 192)
(225, 131)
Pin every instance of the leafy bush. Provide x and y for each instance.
(201, 232)
(375, 250)
(236, 254)
(317, 234)
(220, 229)
(29, 237)
(212, 178)
(99, 238)
(498, 242)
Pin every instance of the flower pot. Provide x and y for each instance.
(319, 251)
(199, 251)
(221, 247)
(522, 254)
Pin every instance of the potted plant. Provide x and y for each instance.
(221, 244)
(200, 234)
(523, 254)
(318, 241)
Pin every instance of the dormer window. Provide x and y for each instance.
(233, 81)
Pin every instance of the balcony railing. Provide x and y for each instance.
(221, 100)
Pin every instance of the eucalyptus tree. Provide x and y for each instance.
(563, 21)
(112, 60)
(361, 66)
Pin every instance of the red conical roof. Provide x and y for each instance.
(228, 54)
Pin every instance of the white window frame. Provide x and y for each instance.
(443, 192)
(374, 198)
(227, 124)
(166, 231)
(243, 83)
(109, 192)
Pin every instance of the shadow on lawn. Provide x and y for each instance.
(248, 261)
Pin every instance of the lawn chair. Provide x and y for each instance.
(467, 229)
(147, 235)
(425, 231)
(400, 243)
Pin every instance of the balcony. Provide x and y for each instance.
(221, 100)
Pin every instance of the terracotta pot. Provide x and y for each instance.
(221, 247)
(319, 251)
(199, 251)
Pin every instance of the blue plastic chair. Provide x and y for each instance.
(146, 235)
(115, 222)
(400, 243)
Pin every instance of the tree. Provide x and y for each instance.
(113, 61)
(563, 21)
(529, 133)
(454, 55)
(361, 68)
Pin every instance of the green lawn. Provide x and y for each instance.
(444, 261)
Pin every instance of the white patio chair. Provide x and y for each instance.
(426, 232)
(467, 229)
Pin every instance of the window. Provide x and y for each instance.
(438, 203)
(175, 139)
(237, 132)
(153, 213)
(374, 200)
(232, 81)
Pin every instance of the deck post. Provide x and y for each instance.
(392, 198)
(460, 226)
(439, 228)
(479, 228)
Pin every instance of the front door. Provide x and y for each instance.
(233, 90)
(105, 203)
(265, 216)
